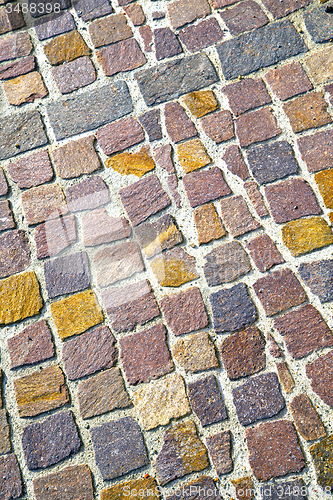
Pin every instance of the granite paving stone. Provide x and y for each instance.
(317, 276)
(14, 252)
(42, 203)
(166, 43)
(90, 193)
(56, 24)
(3, 183)
(160, 401)
(137, 163)
(174, 267)
(236, 216)
(319, 372)
(109, 30)
(25, 88)
(67, 274)
(11, 19)
(15, 45)
(319, 23)
(246, 94)
(151, 122)
(288, 81)
(31, 170)
(17, 68)
(178, 124)
(75, 158)
(271, 291)
(306, 418)
(121, 56)
(182, 12)
(243, 353)
(119, 447)
(185, 311)
(102, 393)
(322, 456)
(243, 488)
(195, 353)
(74, 75)
(218, 126)
(206, 401)
(11, 486)
(32, 345)
(319, 67)
(66, 48)
(129, 489)
(219, 448)
(200, 102)
(201, 35)
(235, 162)
(145, 355)
(232, 308)
(274, 450)
(69, 482)
(192, 155)
(5, 443)
(204, 486)
(307, 111)
(256, 126)
(130, 305)
(90, 352)
(317, 150)
(256, 198)
(92, 9)
(258, 398)
(284, 7)
(285, 377)
(244, 16)
(154, 237)
(205, 186)
(226, 263)
(208, 224)
(6, 216)
(264, 253)
(51, 441)
(136, 14)
(324, 181)
(182, 452)
(304, 235)
(53, 236)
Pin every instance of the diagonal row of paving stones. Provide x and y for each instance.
(166, 266)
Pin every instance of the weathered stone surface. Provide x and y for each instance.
(56, 24)
(185, 311)
(271, 291)
(90, 352)
(192, 155)
(256, 198)
(25, 88)
(32, 170)
(74, 74)
(195, 353)
(14, 253)
(6, 216)
(87, 194)
(317, 276)
(154, 237)
(119, 135)
(319, 24)
(98, 228)
(232, 309)
(320, 372)
(322, 456)
(177, 123)
(219, 447)
(182, 452)
(226, 263)
(102, 393)
(67, 274)
(12, 486)
(243, 488)
(235, 162)
(11, 19)
(200, 102)
(76, 158)
(258, 398)
(41, 391)
(20, 297)
(33, 345)
(166, 43)
(324, 182)
(174, 268)
(284, 7)
(205, 186)
(274, 450)
(67, 483)
(291, 199)
(47, 443)
(307, 111)
(256, 126)
(271, 162)
(146, 34)
(319, 67)
(43, 202)
(317, 150)
(285, 377)
(264, 252)
(267, 45)
(243, 353)
(138, 163)
(130, 305)
(244, 16)
(3, 183)
(5, 444)
(117, 262)
(119, 447)
(306, 418)
(143, 199)
(304, 235)
(218, 126)
(288, 81)
(237, 216)
(28, 130)
(170, 80)
(17, 68)
(109, 30)
(151, 122)
(182, 12)
(246, 94)
(160, 401)
(304, 331)
(206, 400)
(145, 355)
(201, 35)
(128, 490)
(75, 314)
(54, 236)
(204, 486)
(66, 48)
(91, 9)
(90, 110)
(208, 224)
(15, 45)
(121, 56)
(136, 14)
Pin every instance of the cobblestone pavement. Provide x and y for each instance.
(166, 241)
